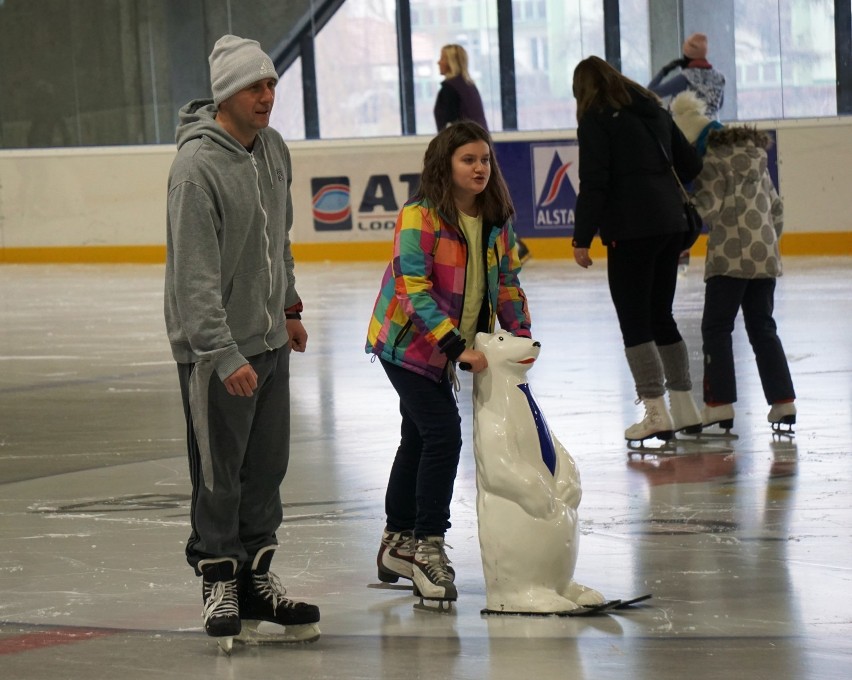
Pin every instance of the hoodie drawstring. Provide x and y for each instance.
(266, 159)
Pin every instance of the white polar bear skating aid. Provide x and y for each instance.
(528, 490)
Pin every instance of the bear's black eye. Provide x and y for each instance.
(500, 338)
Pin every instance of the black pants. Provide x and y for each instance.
(722, 301)
(421, 481)
(642, 276)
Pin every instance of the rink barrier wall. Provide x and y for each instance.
(108, 204)
(792, 244)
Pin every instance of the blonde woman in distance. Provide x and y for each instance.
(458, 99)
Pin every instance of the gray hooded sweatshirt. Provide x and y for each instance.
(229, 269)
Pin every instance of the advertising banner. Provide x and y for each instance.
(543, 180)
(353, 193)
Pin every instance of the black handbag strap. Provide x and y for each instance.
(686, 197)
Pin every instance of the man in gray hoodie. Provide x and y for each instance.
(233, 315)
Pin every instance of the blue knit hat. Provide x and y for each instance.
(236, 63)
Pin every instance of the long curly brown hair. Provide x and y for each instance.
(436, 180)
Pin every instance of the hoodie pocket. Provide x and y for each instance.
(246, 306)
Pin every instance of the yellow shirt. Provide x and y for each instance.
(474, 285)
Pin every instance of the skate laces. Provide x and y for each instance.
(221, 601)
(432, 559)
(652, 413)
(401, 541)
(454, 379)
(269, 587)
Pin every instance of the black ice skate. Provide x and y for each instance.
(432, 575)
(221, 605)
(263, 601)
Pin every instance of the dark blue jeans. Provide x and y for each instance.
(421, 481)
(642, 275)
(722, 301)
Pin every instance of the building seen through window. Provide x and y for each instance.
(778, 56)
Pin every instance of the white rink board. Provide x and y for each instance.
(116, 196)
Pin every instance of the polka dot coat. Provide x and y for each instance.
(738, 201)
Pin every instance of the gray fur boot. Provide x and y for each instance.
(675, 360)
(647, 369)
(684, 411)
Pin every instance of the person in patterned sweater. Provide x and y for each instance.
(739, 202)
(695, 74)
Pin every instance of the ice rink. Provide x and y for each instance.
(745, 544)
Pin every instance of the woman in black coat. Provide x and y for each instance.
(628, 194)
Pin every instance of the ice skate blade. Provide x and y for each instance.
(784, 428)
(391, 586)
(436, 606)
(225, 643)
(664, 436)
(724, 434)
(594, 609)
(268, 633)
(626, 604)
(726, 425)
(582, 610)
(679, 447)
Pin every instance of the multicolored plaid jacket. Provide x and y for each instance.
(416, 316)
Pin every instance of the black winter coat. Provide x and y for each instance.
(627, 189)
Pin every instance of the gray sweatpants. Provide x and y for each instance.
(237, 472)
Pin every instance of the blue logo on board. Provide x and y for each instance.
(556, 196)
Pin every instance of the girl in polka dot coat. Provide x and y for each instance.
(741, 206)
(737, 199)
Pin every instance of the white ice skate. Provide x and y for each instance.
(432, 576)
(657, 423)
(782, 417)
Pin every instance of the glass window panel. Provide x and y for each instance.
(785, 58)
(357, 71)
(83, 74)
(469, 23)
(288, 114)
(634, 18)
(551, 37)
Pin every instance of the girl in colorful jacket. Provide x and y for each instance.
(454, 271)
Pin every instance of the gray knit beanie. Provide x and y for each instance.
(236, 63)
